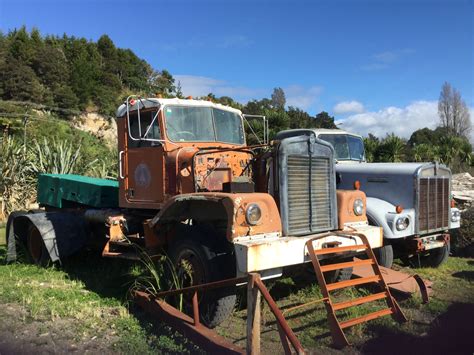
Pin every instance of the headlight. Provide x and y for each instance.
(358, 207)
(402, 223)
(455, 216)
(253, 214)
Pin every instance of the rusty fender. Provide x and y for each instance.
(272, 252)
(234, 204)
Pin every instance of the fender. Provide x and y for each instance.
(382, 213)
(222, 206)
(376, 214)
(63, 233)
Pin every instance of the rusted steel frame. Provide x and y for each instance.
(288, 310)
(255, 278)
(203, 287)
(397, 313)
(247, 149)
(200, 335)
(337, 334)
(197, 322)
(421, 284)
(284, 340)
(424, 291)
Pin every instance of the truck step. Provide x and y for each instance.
(357, 247)
(367, 317)
(375, 276)
(118, 255)
(358, 301)
(355, 282)
(331, 267)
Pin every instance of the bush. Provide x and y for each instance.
(462, 239)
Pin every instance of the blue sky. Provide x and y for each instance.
(377, 66)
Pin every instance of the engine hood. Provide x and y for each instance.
(391, 182)
(383, 168)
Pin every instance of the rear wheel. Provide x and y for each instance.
(196, 264)
(35, 245)
(337, 275)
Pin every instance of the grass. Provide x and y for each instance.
(90, 298)
(453, 288)
(2, 235)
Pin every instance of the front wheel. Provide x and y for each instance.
(384, 255)
(434, 258)
(196, 264)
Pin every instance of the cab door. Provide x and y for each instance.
(143, 162)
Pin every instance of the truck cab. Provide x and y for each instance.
(412, 202)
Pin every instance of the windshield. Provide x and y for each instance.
(346, 147)
(203, 124)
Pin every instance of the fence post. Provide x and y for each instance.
(253, 316)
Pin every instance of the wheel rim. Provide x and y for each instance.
(35, 244)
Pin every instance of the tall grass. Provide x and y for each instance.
(158, 273)
(20, 166)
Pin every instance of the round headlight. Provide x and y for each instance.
(253, 214)
(402, 223)
(455, 216)
(358, 207)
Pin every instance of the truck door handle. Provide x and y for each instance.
(120, 165)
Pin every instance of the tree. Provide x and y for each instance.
(371, 145)
(427, 136)
(161, 83)
(298, 118)
(278, 99)
(323, 120)
(453, 112)
(21, 83)
(392, 149)
(179, 90)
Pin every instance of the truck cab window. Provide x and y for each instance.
(139, 130)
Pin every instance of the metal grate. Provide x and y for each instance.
(309, 203)
(433, 203)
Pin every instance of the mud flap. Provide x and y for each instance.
(63, 233)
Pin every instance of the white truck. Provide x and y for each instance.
(412, 202)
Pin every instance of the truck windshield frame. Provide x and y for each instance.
(203, 124)
(346, 147)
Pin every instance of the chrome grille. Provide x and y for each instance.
(309, 195)
(433, 203)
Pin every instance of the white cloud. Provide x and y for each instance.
(296, 95)
(201, 85)
(348, 107)
(385, 59)
(401, 121)
(302, 97)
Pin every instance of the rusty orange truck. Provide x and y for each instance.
(189, 186)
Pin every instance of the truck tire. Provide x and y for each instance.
(205, 266)
(35, 245)
(384, 255)
(435, 258)
(338, 275)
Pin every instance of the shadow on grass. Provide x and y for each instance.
(466, 275)
(451, 332)
(112, 278)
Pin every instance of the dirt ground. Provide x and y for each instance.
(21, 335)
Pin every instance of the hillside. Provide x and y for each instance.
(72, 73)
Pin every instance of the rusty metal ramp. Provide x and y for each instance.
(376, 278)
(398, 281)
